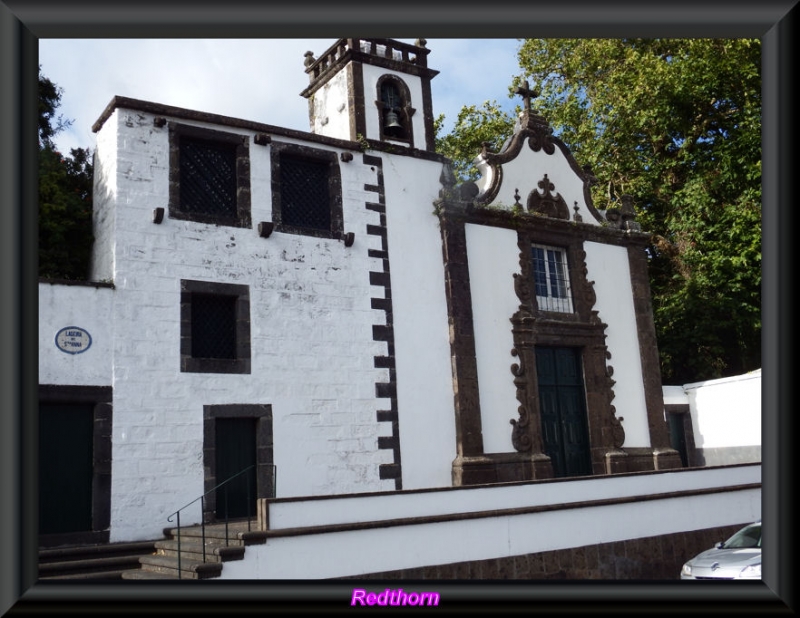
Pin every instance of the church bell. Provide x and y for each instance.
(391, 121)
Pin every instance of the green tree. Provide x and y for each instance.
(65, 195)
(473, 127)
(677, 124)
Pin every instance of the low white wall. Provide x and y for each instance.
(89, 308)
(726, 418)
(340, 554)
(385, 506)
(726, 412)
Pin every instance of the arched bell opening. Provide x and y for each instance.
(395, 109)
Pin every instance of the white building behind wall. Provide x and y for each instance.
(331, 306)
(719, 420)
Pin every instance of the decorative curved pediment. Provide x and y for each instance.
(533, 131)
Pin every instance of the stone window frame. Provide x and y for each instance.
(240, 144)
(240, 364)
(266, 473)
(100, 397)
(278, 150)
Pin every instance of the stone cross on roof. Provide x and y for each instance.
(527, 93)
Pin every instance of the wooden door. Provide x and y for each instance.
(65, 467)
(235, 452)
(562, 402)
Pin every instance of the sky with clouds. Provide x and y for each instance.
(252, 79)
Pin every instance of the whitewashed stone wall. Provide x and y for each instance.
(104, 197)
(424, 374)
(331, 110)
(312, 347)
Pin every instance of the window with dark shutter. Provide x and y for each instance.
(215, 327)
(209, 177)
(306, 191)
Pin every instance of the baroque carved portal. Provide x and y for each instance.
(583, 330)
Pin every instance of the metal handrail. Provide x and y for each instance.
(202, 513)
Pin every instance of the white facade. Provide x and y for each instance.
(311, 336)
(357, 366)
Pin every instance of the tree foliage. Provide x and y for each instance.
(65, 195)
(473, 127)
(677, 124)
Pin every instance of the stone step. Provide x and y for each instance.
(105, 561)
(142, 574)
(189, 569)
(80, 552)
(237, 534)
(98, 576)
(93, 565)
(192, 549)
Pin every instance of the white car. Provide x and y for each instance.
(737, 558)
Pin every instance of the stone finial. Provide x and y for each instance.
(623, 218)
(309, 55)
(628, 214)
(627, 211)
(447, 177)
(577, 216)
(421, 42)
(612, 216)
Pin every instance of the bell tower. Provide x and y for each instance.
(374, 89)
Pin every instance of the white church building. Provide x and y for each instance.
(329, 314)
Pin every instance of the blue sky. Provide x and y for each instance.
(252, 79)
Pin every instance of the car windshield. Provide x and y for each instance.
(746, 537)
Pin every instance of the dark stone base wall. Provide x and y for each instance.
(651, 558)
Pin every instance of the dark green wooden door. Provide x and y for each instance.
(562, 401)
(236, 451)
(677, 436)
(65, 468)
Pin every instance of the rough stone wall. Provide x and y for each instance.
(651, 558)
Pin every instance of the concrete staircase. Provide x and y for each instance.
(102, 562)
(219, 548)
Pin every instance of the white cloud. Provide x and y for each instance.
(253, 79)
